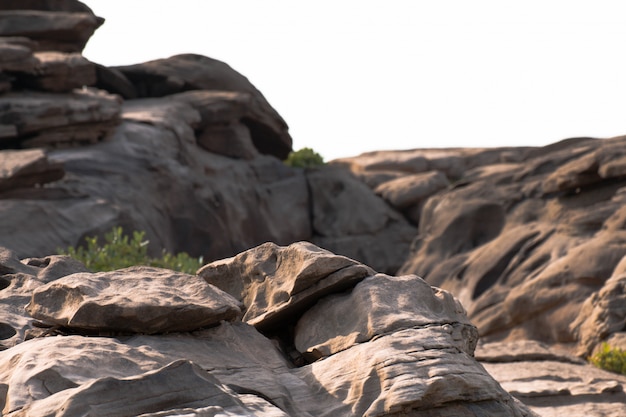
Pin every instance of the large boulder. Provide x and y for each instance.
(523, 237)
(137, 299)
(34, 119)
(380, 305)
(195, 72)
(416, 360)
(275, 282)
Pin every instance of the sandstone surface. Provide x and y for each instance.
(336, 319)
(147, 341)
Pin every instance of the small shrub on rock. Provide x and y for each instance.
(610, 359)
(121, 251)
(304, 158)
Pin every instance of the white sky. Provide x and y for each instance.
(351, 76)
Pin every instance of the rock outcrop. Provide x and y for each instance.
(525, 237)
(184, 148)
(553, 383)
(531, 242)
(147, 341)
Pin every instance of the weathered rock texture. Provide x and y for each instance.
(184, 148)
(554, 384)
(524, 236)
(530, 241)
(180, 349)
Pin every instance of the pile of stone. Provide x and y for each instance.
(273, 331)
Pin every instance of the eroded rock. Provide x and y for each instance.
(553, 383)
(136, 299)
(380, 305)
(61, 31)
(27, 168)
(273, 282)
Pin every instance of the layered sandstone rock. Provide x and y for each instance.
(529, 240)
(524, 237)
(553, 383)
(168, 353)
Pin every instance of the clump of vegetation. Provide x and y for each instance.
(610, 359)
(304, 158)
(121, 251)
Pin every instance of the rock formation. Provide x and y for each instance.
(524, 237)
(332, 291)
(320, 338)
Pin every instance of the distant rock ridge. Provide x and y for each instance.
(351, 280)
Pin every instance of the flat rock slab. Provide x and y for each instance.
(53, 30)
(136, 299)
(39, 119)
(181, 384)
(410, 190)
(59, 72)
(25, 168)
(553, 383)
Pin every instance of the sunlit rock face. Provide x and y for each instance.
(322, 335)
(363, 287)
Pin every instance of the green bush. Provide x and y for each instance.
(304, 158)
(120, 251)
(610, 359)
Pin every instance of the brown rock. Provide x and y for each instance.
(64, 369)
(113, 81)
(552, 383)
(136, 299)
(47, 5)
(195, 72)
(228, 121)
(18, 280)
(410, 372)
(26, 168)
(380, 305)
(232, 140)
(411, 190)
(275, 283)
(179, 385)
(42, 119)
(59, 72)
(602, 315)
(52, 30)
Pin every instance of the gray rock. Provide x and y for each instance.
(41, 119)
(59, 72)
(136, 299)
(552, 383)
(185, 72)
(27, 168)
(349, 219)
(61, 31)
(380, 305)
